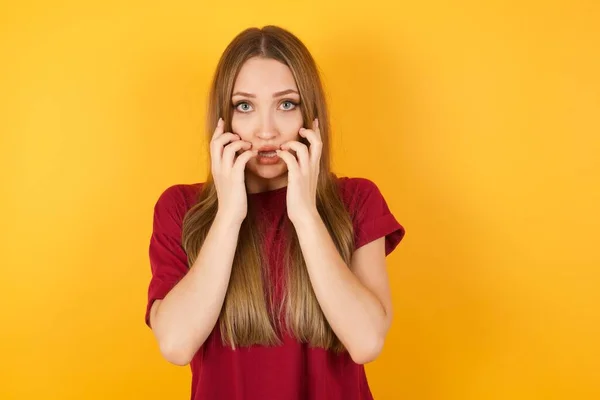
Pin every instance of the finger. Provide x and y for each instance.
(216, 146)
(240, 163)
(219, 129)
(314, 133)
(314, 138)
(231, 150)
(290, 160)
(222, 140)
(301, 152)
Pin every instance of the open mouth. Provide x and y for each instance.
(267, 154)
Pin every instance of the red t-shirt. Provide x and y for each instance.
(293, 370)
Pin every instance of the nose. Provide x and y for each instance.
(266, 127)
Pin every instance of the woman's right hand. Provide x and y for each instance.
(228, 172)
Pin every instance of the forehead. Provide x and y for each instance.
(264, 75)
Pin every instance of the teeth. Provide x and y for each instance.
(267, 153)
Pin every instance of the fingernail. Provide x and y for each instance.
(316, 122)
(302, 129)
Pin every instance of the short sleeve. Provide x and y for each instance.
(372, 217)
(168, 260)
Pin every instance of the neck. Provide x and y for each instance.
(257, 184)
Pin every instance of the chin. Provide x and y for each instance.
(268, 171)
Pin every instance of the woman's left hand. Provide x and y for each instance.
(303, 172)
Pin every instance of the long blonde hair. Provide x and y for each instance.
(245, 317)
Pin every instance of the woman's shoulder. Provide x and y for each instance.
(353, 183)
(371, 215)
(356, 189)
(178, 197)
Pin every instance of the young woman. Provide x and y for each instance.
(270, 277)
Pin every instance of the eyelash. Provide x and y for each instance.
(294, 103)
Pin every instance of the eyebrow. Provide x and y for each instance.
(276, 94)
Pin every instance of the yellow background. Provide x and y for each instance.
(479, 121)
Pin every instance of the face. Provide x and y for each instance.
(266, 113)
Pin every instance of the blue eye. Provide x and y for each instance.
(243, 107)
(288, 105)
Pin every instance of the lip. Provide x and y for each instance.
(263, 159)
(268, 148)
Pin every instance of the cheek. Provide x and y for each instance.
(242, 126)
(289, 125)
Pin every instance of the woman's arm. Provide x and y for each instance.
(355, 300)
(182, 321)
